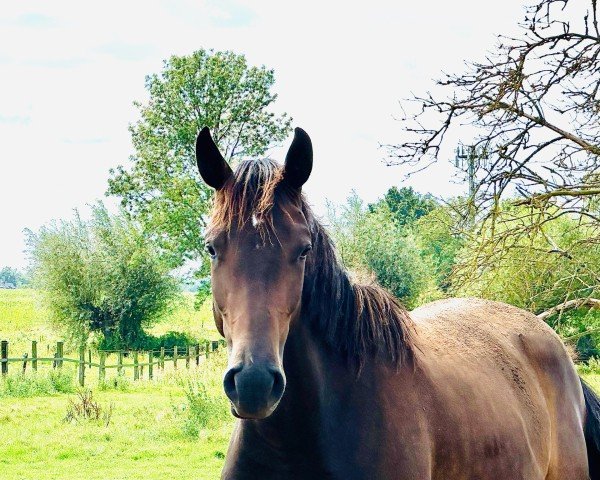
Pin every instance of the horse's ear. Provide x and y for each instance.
(214, 170)
(299, 160)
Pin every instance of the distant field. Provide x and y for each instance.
(23, 318)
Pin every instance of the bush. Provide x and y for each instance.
(206, 406)
(169, 340)
(119, 382)
(373, 244)
(102, 276)
(85, 408)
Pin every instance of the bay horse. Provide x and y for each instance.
(333, 379)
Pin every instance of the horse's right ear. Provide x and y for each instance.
(214, 170)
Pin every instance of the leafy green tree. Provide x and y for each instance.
(103, 276)
(439, 242)
(162, 188)
(406, 204)
(12, 277)
(373, 245)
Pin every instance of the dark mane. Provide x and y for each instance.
(249, 191)
(356, 319)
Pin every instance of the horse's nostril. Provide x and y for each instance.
(229, 382)
(278, 384)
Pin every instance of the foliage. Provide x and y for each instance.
(205, 407)
(162, 189)
(12, 278)
(372, 244)
(37, 383)
(549, 266)
(171, 339)
(119, 382)
(101, 276)
(406, 205)
(532, 111)
(439, 242)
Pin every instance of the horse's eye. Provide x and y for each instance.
(304, 253)
(211, 250)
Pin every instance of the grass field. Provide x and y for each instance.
(152, 432)
(144, 440)
(149, 435)
(23, 318)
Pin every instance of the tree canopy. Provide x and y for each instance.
(374, 245)
(12, 278)
(161, 187)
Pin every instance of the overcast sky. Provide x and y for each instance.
(69, 72)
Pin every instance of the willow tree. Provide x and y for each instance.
(101, 276)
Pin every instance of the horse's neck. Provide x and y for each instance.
(294, 432)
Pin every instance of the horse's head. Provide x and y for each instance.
(258, 240)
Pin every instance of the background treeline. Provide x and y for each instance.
(423, 250)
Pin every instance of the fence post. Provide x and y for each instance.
(120, 362)
(34, 355)
(150, 365)
(161, 358)
(4, 355)
(175, 356)
(206, 348)
(136, 369)
(25, 355)
(197, 354)
(187, 356)
(102, 372)
(59, 354)
(90, 358)
(82, 365)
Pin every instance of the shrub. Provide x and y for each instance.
(37, 384)
(103, 275)
(86, 408)
(373, 244)
(119, 382)
(206, 406)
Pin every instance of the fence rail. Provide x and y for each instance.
(190, 354)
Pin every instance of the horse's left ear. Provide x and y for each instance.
(299, 160)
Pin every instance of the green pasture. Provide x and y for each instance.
(146, 438)
(23, 318)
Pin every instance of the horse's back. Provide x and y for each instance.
(502, 370)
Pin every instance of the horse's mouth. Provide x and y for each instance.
(261, 416)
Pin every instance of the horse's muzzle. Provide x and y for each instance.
(254, 390)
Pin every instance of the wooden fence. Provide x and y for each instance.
(191, 355)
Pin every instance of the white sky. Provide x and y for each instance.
(69, 72)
